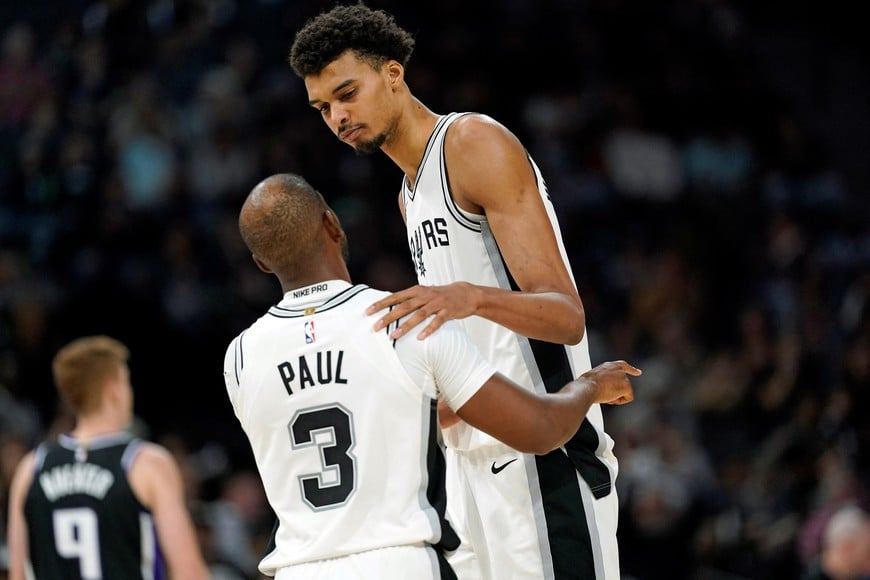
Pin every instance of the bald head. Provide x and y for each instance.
(846, 552)
(282, 222)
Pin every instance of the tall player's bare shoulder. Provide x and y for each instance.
(476, 136)
(485, 160)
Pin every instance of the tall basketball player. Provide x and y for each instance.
(488, 252)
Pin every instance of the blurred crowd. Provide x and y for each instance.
(707, 159)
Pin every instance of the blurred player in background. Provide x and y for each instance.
(98, 503)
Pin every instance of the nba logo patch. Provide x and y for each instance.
(309, 331)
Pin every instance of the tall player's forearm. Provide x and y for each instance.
(547, 316)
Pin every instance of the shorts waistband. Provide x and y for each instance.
(489, 451)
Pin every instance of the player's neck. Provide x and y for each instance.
(91, 426)
(407, 146)
(324, 274)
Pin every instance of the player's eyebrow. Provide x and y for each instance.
(340, 86)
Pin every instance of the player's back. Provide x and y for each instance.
(342, 436)
(83, 519)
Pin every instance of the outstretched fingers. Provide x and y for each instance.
(628, 368)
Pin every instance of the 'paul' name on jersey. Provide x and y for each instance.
(312, 370)
(429, 234)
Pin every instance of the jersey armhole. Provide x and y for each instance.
(130, 453)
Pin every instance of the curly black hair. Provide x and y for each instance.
(371, 34)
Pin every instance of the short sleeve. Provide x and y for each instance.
(457, 364)
(232, 365)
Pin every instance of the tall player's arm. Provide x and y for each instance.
(16, 526)
(156, 480)
(490, 173)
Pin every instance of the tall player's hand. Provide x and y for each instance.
(419, 303)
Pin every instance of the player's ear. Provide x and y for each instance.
(261, 265)
(332, 225)
(395, 72)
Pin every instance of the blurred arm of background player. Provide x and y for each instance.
(156, 480)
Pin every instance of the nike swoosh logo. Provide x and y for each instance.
(497, 469)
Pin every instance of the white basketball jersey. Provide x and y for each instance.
(341, 421)
(449, 244)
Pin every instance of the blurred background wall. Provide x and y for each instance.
(708, 160)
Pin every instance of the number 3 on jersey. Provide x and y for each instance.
(330, 428)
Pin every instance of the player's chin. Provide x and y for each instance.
(365, 147)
